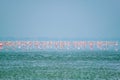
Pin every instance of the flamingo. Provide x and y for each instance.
(1, 45)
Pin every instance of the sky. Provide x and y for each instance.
(60, 19)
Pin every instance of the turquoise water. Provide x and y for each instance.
(60, 65)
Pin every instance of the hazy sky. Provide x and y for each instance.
(91, 19)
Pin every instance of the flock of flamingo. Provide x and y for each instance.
(58, 45)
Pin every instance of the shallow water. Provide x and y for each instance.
(60, 65)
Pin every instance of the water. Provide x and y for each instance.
(60, 65)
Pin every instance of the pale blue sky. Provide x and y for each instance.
(81, 19)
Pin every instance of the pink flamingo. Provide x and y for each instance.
(1, 45)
